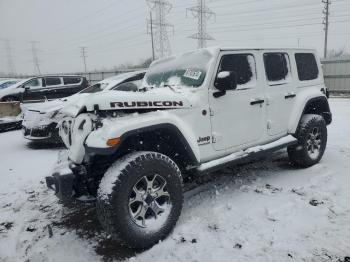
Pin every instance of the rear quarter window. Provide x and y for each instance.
(71, 80)
(307, 66)
(52, 81)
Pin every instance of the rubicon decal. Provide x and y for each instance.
(147, 104)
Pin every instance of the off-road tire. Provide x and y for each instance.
(299, 154)
(113, 198)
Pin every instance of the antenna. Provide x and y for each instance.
(160, 26)
(202, 13)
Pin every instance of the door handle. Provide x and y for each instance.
(290, 95)
(257, 101)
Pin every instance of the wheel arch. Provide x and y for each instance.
(164, 138)
(312, 105)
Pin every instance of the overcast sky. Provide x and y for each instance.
(114, 31)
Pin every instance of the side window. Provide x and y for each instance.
(307, 66)
(33, 83)
(244, 67)
(277, 68)
(53, 81)
(71, 80)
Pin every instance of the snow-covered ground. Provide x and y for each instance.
(266, 211)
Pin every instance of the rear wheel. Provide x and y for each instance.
(312, 140)
(140, 198)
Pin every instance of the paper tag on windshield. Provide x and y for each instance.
(193, 74)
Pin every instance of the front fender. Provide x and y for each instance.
(133, 123)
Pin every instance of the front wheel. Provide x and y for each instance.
(312, 140)
(140, 199)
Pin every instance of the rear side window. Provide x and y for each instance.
(71, 80)
(52, 81)
(277, 68)
(244, 67)
(307, 66)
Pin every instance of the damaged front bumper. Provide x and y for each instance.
(67, 180)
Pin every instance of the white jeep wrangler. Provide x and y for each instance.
(195, 113)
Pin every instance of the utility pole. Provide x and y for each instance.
(10, 65)
(161, 43)
(36, 61)
(83, 55)
(326, 25)
(151, 32)
(202, 13)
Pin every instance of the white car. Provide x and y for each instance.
(197, 112)
(5, 83)
(40, 120)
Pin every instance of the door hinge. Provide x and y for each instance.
(269, 124)
(211, 111)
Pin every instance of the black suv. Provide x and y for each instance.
(43, 87)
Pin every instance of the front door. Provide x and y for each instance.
(238, 117)
(34, 89)
(280, 92)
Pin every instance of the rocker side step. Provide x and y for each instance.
(247, 155)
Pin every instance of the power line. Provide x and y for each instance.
(8, 49)
(162, 43)
(83, 55)
(202, 13)
(326, 24)
(36, 61)
(150, 22)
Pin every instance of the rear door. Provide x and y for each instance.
(280, 91)
(71, 85)
(238, 117)
(53, 87)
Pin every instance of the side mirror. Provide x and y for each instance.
(226, 80)
(26, 88)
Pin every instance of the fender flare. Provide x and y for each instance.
(296, 116)
(163, 126)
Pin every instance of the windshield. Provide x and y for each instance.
(187, 70)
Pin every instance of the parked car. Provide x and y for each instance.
(43, 87)
(197, 113)
(4, 83)
(40, 120)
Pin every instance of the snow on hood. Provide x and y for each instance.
(57, 104)
(158, 98)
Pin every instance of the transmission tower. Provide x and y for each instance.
(326, 24)
(202, 13)
(10, 65)
(160, 27)
(83, 55)
(36, 61)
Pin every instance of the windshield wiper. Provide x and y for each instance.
(170, 86)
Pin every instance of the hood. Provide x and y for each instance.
(158, 98)
(54, 105)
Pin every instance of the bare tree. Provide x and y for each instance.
(335, 53)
